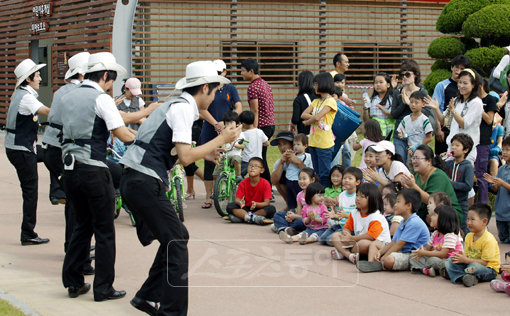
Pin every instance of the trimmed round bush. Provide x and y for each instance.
(441, 64)
(457, 11)
(469, 42)
(434, 78)
(446, 47)
(490, 22)
(483, 59)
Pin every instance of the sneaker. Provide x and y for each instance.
(261, 220)
(369, 266)
(274, 229)
(291, 231)
(444, 273)
(248, 218)
(498, 285)
(469, 280)
(302, 238)
(429, 271)
(234, 219)
(285, 238)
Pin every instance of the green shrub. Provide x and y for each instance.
(490, 22)
(469, 42)
(441, 64)
(457, 11)
(483, 59)
(434, 78)
(446, 47)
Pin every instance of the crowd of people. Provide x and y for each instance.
(405, 207)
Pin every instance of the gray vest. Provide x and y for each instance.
(21, 129)
(53, 132)
(134, 106)
(85, 133)
(150, 153)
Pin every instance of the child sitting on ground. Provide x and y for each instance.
(444, 243)
(346, 204)
(501, 184)
(367, 223)
(393, 220)
(256, 140)
(334, 188)
(503, 285)
(412, 233)
(314, 217)
(415, 127)
(481, 259)
(461, 173)
(253, 197)
(291, 162)
(234, 149)
(436, 199)
(291, 221)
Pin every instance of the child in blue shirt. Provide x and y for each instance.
(411, 234)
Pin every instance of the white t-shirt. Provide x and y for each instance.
(472, 120)
(347, 203)
(29, 105)
(396, 168)
(416, 131)
(253, 148)
(180, 117)
(505, 61)
(141, 102)
(235, 151)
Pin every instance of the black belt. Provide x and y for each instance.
(10, 130)
(79, 142)
(57, 126)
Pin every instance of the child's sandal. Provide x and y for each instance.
(354, 257)
(336, 255)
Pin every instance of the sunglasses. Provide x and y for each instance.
(406, 74)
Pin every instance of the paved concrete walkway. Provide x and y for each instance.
(234, 269)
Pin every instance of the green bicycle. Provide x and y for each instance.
(225, 187)
(176, 188)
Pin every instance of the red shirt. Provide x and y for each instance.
(260, 89)
(258, 193)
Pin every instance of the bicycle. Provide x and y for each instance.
(176, 187)
(118, 198)
(225, 186)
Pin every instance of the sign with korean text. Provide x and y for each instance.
(41, 12)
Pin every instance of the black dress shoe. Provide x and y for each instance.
(113, 296)
(77, 291)
(34, 241)
(144, 306)
(56, 200)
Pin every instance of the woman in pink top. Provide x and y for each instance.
(314, 216)
(444, 242)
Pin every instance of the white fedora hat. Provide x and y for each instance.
(105, 61)
(77, 64)
(198, 73)
(25, 69)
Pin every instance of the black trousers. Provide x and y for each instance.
(25, 163)
(53, 162)
(269, 131)
(90, 191)
(167, 282)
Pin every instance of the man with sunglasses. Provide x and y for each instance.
(443, 93)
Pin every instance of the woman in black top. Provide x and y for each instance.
(305, 85)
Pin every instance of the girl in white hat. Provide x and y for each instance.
(20, 142)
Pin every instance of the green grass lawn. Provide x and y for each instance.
(6, 309)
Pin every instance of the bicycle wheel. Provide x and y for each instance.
(118, 206)
(224, 193)
(178, 199)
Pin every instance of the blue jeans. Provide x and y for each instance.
(311, 231)
(503, 231)
(346, 155)
(456, 271)
(401, 148)
(321, 160)
(281, 223)
(244, 168)
(325, 238)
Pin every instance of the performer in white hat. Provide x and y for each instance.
(20, 142)
(145, 179)
(89, 115)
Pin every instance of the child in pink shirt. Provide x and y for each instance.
(314, 216)
(444, 242)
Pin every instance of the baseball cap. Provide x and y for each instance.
(283, 135)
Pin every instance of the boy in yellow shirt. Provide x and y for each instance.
(481, 260)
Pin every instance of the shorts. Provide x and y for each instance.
(401, 261)
(219, 168)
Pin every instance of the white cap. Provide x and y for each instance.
(199, 73)
(220, 65)
(105, 61)
(384, 145)
(77, 64)
(25, 69)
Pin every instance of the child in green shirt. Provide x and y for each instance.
(335, 187)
